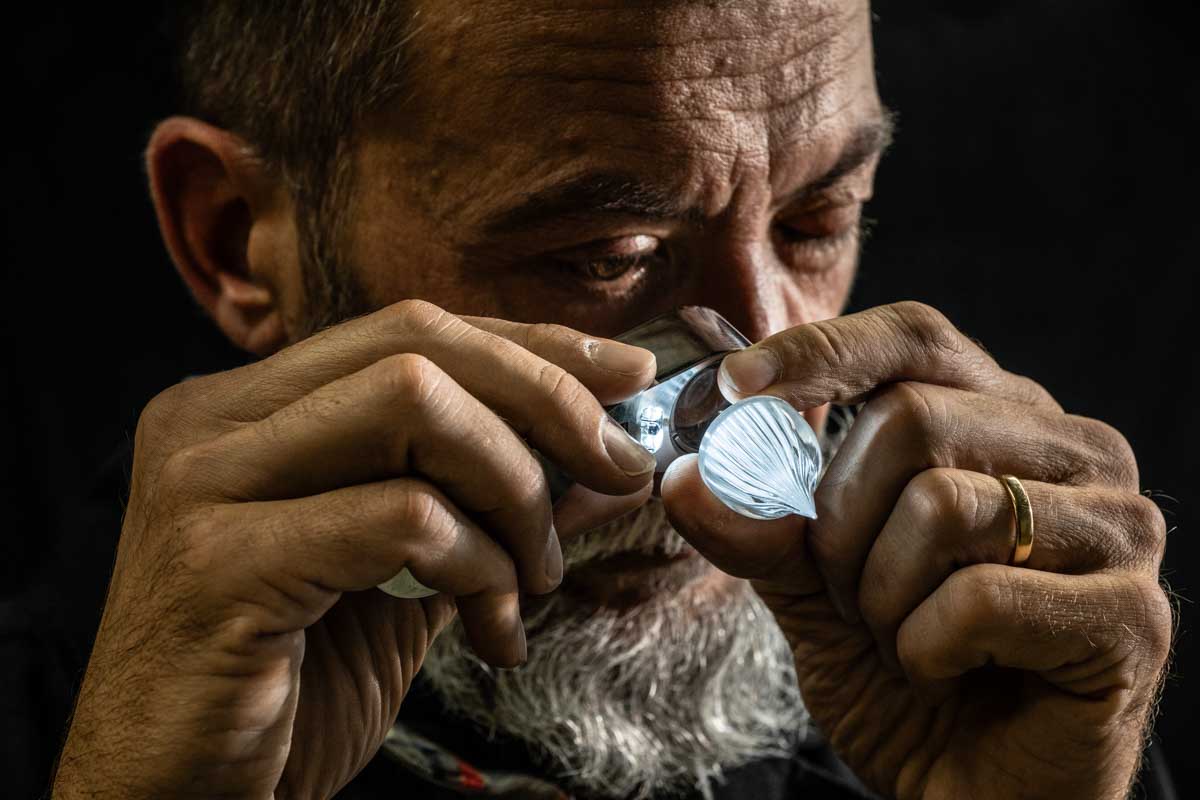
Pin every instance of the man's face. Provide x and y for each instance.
(597, 166)
(594, 167)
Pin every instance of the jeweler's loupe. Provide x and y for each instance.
(670, 417)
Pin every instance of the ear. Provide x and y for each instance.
(228, 228)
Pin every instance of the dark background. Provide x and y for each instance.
(1040, 192)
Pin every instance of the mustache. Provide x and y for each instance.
(645, 530)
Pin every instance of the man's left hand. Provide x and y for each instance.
(936, 669)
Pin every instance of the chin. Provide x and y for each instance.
(649, 672)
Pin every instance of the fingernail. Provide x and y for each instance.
(751, 370)
(554, 560)
(629, 456)
(623, 358)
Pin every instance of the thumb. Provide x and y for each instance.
(773, 552)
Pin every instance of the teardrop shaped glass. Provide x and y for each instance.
(761, 458)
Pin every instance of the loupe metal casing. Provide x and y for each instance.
(670, 417)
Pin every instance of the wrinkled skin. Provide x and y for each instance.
(898, 601)
(741, 140)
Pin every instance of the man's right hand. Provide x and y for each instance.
(238, 653)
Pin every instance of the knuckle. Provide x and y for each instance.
(1146, 526)
(913, 408)
(409, 380)
(826, 343)
(201, 540)
(190, 558)
(415, 510)
(1158, 620)
(940, 501)
(1034, 393)
(530, 489)
(416, 316)
(421, 516)
(185, 471)
(156, 417)
(558, 385)
(541, 336)
(975, 597)
(929, 327)
(1113, 458)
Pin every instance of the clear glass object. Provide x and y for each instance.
(403, 584)
(761, 458)
(670, 417)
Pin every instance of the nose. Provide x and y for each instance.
(741, 280)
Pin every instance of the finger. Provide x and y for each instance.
(947, 518)
(542, 400)
(843, 360)
(291, 559)
(401, 416)
(612, 371)
(1089, 635)
(910, 427)
(771, 551)
(547, 404)
(580, 509)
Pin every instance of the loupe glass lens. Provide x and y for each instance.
(696, 407)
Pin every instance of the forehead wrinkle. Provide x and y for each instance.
(761, 67)
(784, 111)
(504, 131)
(657, 24)
(710, 56)
(784, 85)
(793, 123)
(685, 92)
(627, 194)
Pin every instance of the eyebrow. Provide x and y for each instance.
(865, 143)
(615, 193)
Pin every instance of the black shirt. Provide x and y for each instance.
(48, 623)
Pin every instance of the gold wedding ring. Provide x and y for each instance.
(1023, 516)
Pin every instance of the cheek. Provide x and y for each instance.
(814, 296)
(525, 297)
(389, 281)
(399, 258)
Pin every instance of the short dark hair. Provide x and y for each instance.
(294, 78)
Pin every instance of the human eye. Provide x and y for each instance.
(611, 265)
(817, 237)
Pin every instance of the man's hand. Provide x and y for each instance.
(238, 654)
(937, 670)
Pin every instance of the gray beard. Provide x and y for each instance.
(656, 700)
